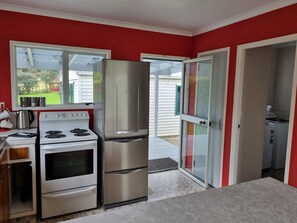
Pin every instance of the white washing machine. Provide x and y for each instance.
(275, 144)
(280, 146)
(269, 137)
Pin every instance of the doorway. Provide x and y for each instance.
(263, 110)
(164, 117)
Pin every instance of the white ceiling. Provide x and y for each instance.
(186, 17)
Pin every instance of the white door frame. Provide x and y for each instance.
(226, 49)
(156, 93)
(238, 91)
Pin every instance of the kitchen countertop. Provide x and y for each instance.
(2, 144)
(15, 140)
(263, 200)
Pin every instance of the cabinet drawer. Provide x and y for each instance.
(125, 154)
(68, 201)
(19, 153)
(125, 185)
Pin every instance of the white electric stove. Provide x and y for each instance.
(68, 163)
(62, 127)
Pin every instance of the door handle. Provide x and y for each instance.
(202, 122)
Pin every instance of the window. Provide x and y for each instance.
(62, 76)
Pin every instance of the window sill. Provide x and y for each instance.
(55, 107)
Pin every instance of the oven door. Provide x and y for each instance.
(68, 165)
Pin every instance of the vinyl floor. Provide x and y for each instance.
(162, 185)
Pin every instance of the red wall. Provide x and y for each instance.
(128, 44)
(124, 43)
(273, 24)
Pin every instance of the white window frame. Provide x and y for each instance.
(69, 49)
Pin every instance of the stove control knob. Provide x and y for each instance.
(64, 115)
(45, 116)
(58, 115)
(71, 115)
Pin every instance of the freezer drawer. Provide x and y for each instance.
(125, 154)
(125, 185)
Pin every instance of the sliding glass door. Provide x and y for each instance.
(195, 120)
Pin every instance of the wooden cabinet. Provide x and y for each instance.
(18, 179)
(22, 179)
(4, 190)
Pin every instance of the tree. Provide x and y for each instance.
(26, 82)
(48, 77)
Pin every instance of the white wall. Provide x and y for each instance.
(152, 106)
(283, 81)
(83, 88)
(86, 93)
(168, 122)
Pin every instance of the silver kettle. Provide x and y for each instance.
(24, 118)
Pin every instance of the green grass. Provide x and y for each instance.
(52, 98)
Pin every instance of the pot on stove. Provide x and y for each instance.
(24, 119)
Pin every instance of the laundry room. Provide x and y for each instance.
(266, 106)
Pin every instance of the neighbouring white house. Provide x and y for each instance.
(81, 86)
(168, 118)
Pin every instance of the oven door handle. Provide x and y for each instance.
(71, 145)
(70, 193)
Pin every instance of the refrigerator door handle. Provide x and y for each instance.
(126, 131)
(127, 140)
(127, 172)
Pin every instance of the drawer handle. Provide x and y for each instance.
(126, 131)
(127, 140)
(127, 172)
(70, 193)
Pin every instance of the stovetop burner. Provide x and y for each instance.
(65, 127)
(53, 132)
(55, 136)
(79, 131)
(82, 134)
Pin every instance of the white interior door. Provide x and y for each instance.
(195, 118)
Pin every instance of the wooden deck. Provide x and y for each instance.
(159, 148)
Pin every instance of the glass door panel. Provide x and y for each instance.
(200, 152)
(187, 146)
(195, 118)
(68, 164)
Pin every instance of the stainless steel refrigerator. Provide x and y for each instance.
(121, 119)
